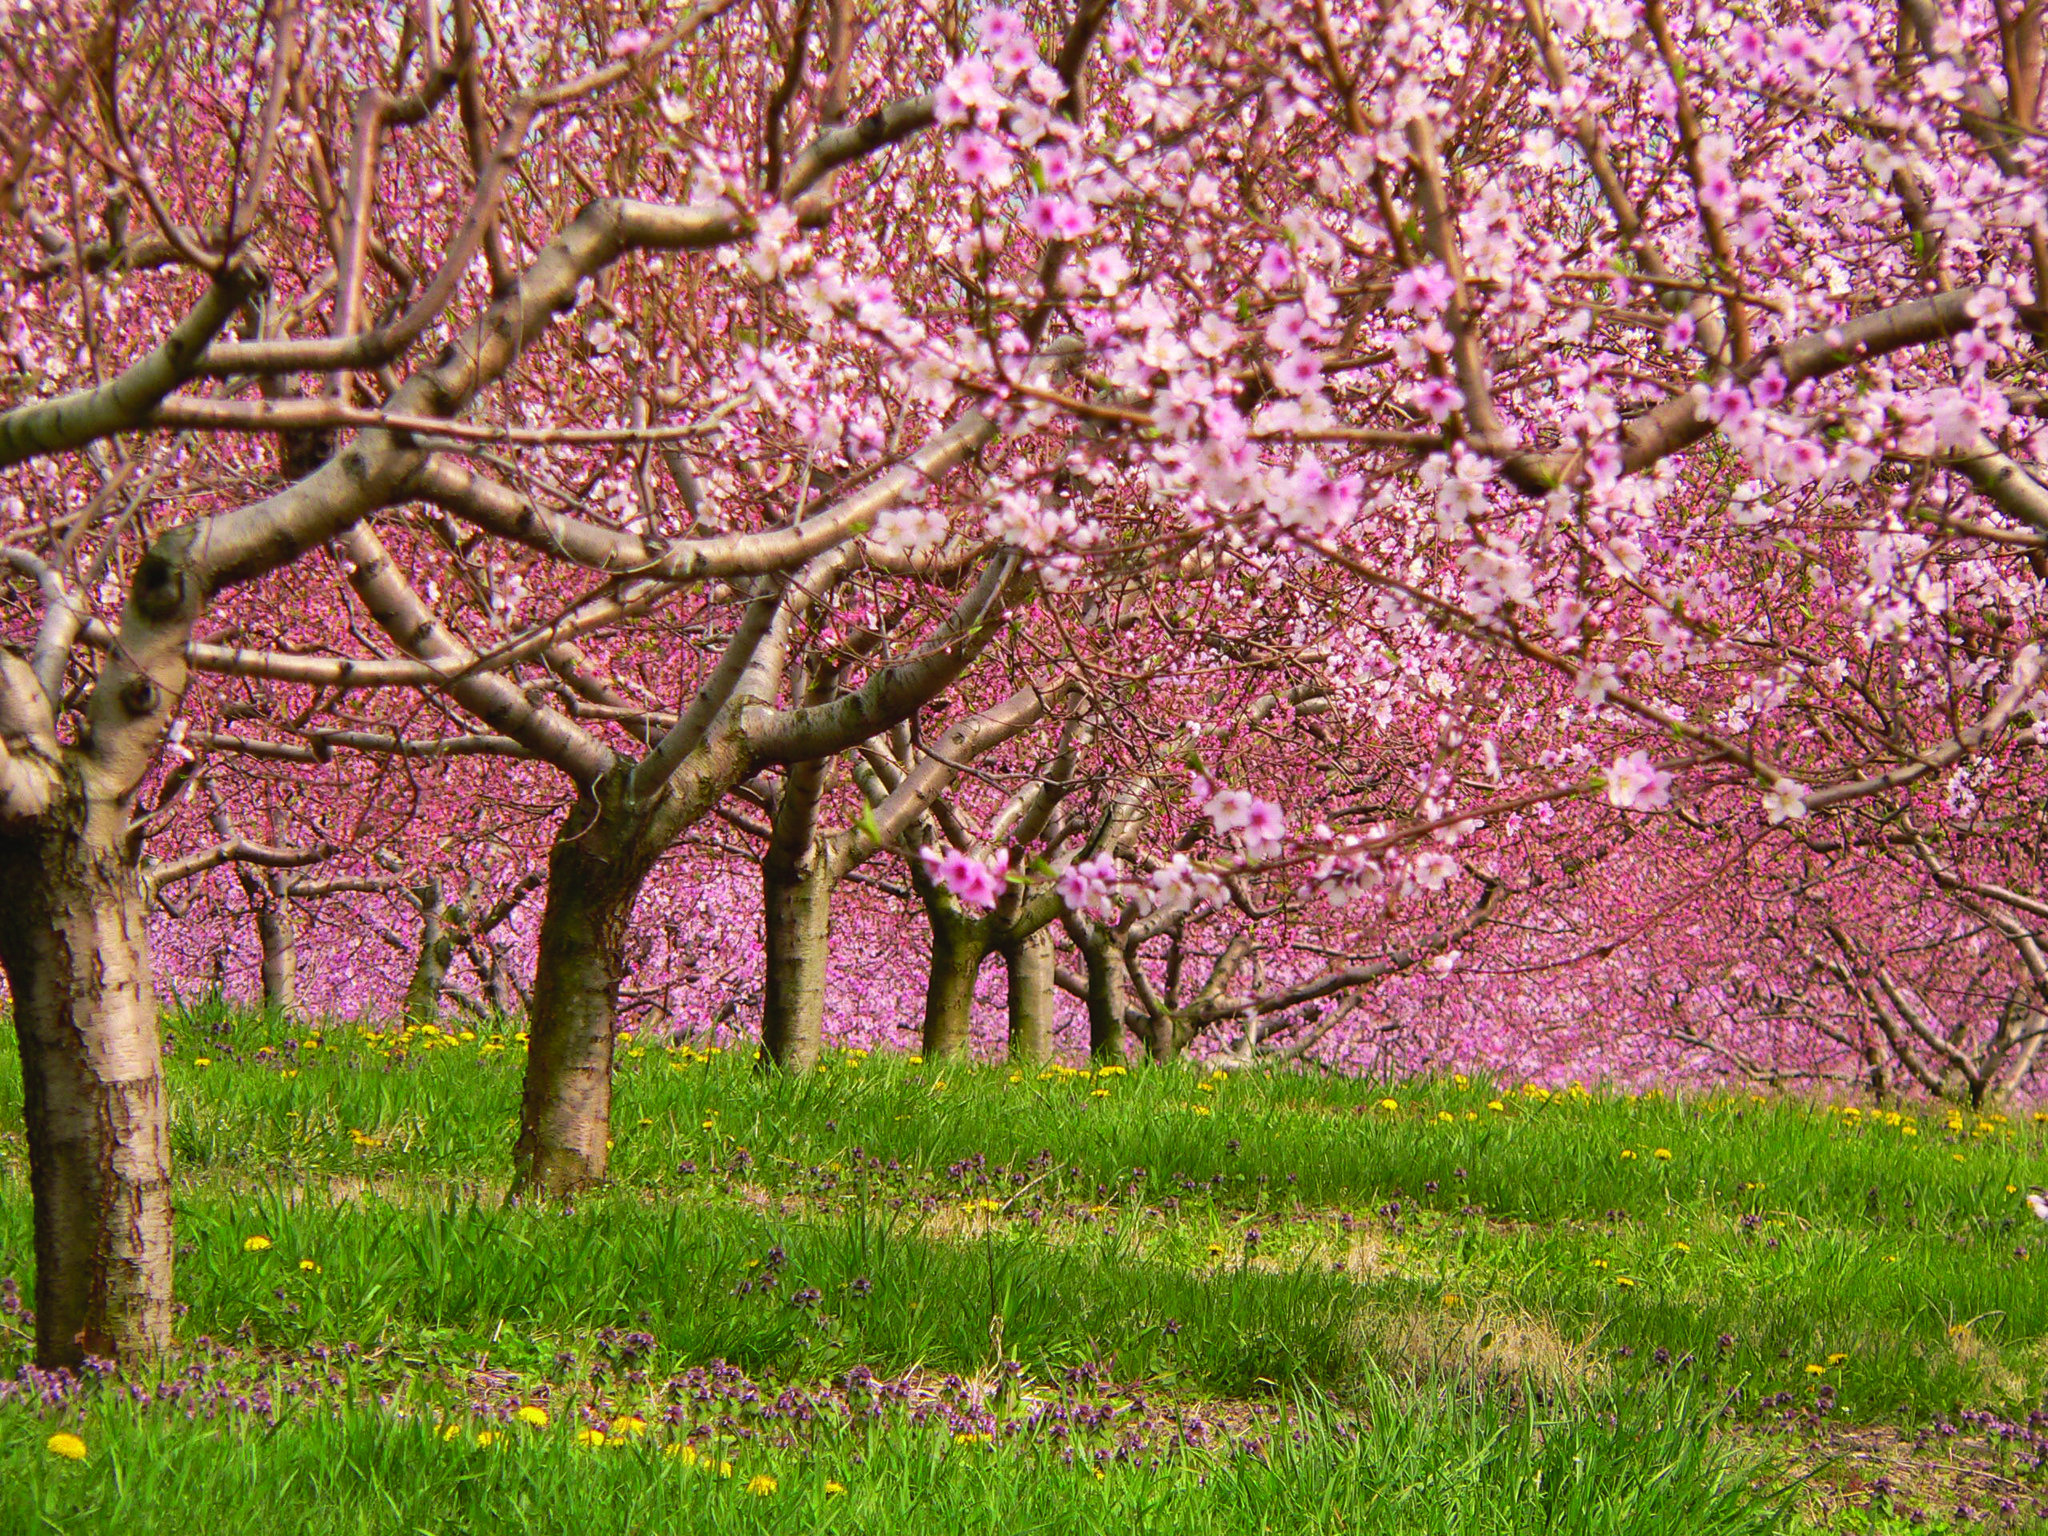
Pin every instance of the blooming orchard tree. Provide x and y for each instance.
(1601, 399)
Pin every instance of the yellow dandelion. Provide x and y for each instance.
(1215, 1250)
(1683, 1247)
(1599, 1263)
(449, 1432)
(1662, 1154)
(834, 1488)
(308, 1264)
(629, 1425)
(1099, 1093)
(487, 1438)
(1445, 1117)
(1390, 1104)
(1836, 1359)
(760, 1485)
(725, 1469)
(1816, 1370)
(537, 1417)
(1624, 1282)
(590, 1439)
(1627, 1156)
(1496, 1106)
(687, 1454)
(255, 1244)
(202, 1061)
(65, 1444)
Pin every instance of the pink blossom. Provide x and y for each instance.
(1276, 268)
(1309, 498)
(1089, 887)
(977, 158)
(998, 26)
(1976, 351)
(969, 87)
(1230, 810)
(1424, 290)
(1726, 402)
(1057, 163)
(1014, 54)
(1107, 270)
(1438, 398)
(1636, 783)
(1299, 373)
(1265, 829)
(1785, 801)
(1435, 870)
(972, 883)
(1052, 217)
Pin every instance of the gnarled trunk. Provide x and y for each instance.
(74, 944)
(594, 876)
(1030, 964)
(958, 945)
(797, 907)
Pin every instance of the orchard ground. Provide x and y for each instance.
(911, 1296)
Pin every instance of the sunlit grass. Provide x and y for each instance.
(1494, 1249)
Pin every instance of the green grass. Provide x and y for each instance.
(1465, 1288)
(1419, 1466)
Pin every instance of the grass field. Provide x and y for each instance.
(902, 1296)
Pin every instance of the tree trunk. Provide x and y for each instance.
(73, 941)
(502, 987)
(958, 945)
(430, 972)
(1107, 999)
(1030, 964)
(595, 872)
(274, 930)
(1162, 1039)
(797, 908)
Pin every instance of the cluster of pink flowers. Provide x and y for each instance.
(973, 882)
